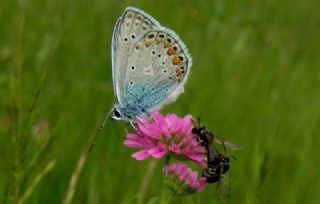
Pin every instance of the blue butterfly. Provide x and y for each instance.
(150, 65)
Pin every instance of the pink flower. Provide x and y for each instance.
(181, 180)
(161, 135)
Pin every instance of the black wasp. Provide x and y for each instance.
(217, 163)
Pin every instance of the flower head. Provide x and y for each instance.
(161, 135)
(181, 180)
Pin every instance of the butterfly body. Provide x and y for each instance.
(150, 65)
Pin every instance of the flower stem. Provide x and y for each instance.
(165, 195)
(168, 157)
(146, 181)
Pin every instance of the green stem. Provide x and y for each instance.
(15, 110)
(168, 157)
(165, 195)
(166, 199)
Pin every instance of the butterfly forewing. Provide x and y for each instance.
(133, 24)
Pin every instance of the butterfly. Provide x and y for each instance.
(150, 65)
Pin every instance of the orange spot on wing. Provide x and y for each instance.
(171, 51)
(147, 43)
(176, 60)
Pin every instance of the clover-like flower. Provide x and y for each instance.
(160, 135)
(181, 180)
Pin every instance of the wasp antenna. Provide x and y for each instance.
(233, 157)
(224, 147)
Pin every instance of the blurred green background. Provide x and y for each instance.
(255, 81)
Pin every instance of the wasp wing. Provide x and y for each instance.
(223, 187)
(228, 144)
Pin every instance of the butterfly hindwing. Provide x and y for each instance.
(157, 69)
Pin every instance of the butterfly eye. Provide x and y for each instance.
(116, 115)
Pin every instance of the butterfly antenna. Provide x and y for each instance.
(199, 122)
(94, 139)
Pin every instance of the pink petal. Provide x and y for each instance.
(133, 136)
(144, 129)
(186, 124)
(183, 172)
(158, 118)
(175, 148)
(198, 158)
(156, 132)
(141, 155)
(202, 183)
(157, 152)
(133, 141)
(175, 124)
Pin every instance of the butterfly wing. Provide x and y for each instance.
(157, 69)
(133, 24)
